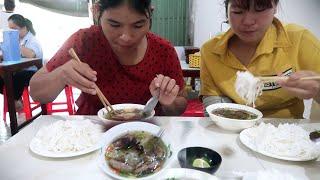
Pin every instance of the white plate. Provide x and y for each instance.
(102, 112)
(250, 143)
(182, 173)
(121, 129)
(37, 148)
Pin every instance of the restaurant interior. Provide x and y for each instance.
(196, 145)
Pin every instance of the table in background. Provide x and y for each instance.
(7, 70)
(190, 72)
(18, 162)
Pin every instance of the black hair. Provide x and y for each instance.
(9, 5)
(21, 21)
(141, 6)
(245, 4)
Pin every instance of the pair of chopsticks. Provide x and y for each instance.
(276, 78)
(102, 98)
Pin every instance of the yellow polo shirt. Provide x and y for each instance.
(285, 49)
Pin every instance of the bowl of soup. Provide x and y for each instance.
(133, 150)
(234, 117)
(124, 113)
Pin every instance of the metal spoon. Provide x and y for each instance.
(151, 104)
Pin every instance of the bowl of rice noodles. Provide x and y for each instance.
(234, 117)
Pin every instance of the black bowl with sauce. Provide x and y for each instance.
(189, 155)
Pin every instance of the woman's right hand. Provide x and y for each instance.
(79, 75)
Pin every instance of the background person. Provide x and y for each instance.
(258, 42)
(9, 6)
(30, 48)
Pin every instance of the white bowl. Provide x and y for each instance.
(235, 125)
(102, 112)
(121, 129)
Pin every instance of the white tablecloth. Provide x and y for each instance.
(18, 162)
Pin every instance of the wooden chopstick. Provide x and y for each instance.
(102, 98)
(272, 78)
(276, 78)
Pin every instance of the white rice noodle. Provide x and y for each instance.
(248, 87)
(69, 136)
(286, 140)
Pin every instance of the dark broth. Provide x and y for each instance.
(128, 114)
(234, 113)
(136, 154)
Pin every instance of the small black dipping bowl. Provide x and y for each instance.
(187, 155)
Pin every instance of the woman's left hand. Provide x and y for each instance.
(168, 89)
(304, 89)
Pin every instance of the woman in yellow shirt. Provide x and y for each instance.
(258, 42)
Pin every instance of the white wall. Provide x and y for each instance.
(52, 29)
(302, 12)
(208, 15)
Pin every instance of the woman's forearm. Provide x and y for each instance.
(28, 53)
(176, 108)
(45, 86)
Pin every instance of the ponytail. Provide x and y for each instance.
(29, 26)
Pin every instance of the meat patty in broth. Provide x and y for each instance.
(136, 154)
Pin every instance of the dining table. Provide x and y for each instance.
(7, 70)
(19, 162)
(192, 72)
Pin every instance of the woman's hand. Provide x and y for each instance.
(79, 75)
(168, 89)
(26, 52)
(304, 89)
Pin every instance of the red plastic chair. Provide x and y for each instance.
(29, 106)
(55, 106)
(194, 109)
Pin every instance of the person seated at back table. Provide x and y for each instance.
(126, 61)
(9, 6)
(258, 42)
(30, 48)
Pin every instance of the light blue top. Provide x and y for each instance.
(30, 41)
